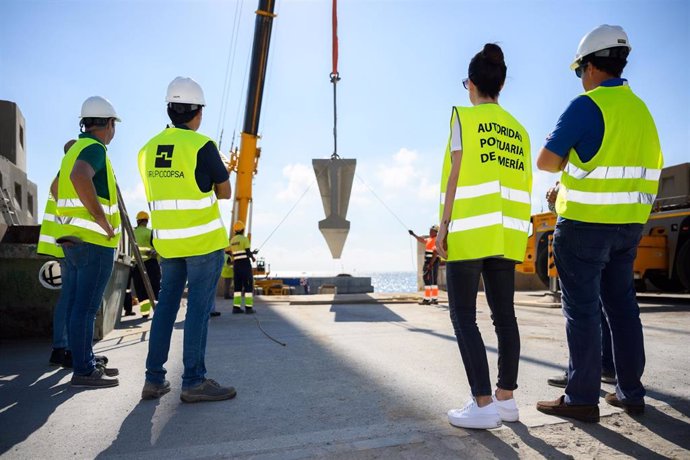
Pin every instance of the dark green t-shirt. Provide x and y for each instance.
(94, 155)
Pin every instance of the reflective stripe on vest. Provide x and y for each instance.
(185, 221)
(85, 224)
(189, 232)
(491, 211)
(429, 247)
(239, 255)
(50, 230)
(73, 216)
(487, 220)
(619, 184)
(182, 205)
(614, 172)
(76, 203)
(475, 191)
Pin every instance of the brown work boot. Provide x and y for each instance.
(630, 409)
(583, 413)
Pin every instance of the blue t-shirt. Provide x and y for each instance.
(209, 167)
(580, 127)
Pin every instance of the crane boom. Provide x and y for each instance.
(249, 152)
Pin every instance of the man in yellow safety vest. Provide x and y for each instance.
(89, 219)
(144, 239)
(607, 147)
(184, 177)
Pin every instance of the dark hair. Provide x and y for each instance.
(91, 122)
(182, 113)
(487, 70)
(611, 60)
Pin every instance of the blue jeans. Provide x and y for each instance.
(203, 273)
(63, 307)
(499, 285)
(595, 263)
(91, 266)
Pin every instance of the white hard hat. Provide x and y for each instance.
(50, 276)
(98, 107)
(599, 39)
(184, 90)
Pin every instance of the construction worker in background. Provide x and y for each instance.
(184, 178)
(144, 239)
(430, 266)
(242, 258)
(89, 233)
(485, 214)
(607, 147)
(47, 245)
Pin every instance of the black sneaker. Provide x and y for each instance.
(425, 302)
(215, 313)
(57, 357)
(129, 313)
(108, 371)
(608, 377)
(236, 310)
(249, 310)
(96, 379)
(67, 361)
(434, 301)
(154, 391)
(208, 390)
(560, 381)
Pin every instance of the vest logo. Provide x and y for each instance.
(164, 156)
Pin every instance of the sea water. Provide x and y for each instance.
(393, 281)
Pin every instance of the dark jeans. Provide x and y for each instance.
(201, 274)
(499, 286)
(90, 266)
(595, 263)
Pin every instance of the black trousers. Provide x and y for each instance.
(154, 271)
(499, 285)
(243, 278)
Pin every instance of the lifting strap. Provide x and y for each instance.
(335, 78)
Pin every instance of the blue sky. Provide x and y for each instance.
(401, 64)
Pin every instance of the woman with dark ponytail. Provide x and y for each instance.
(485, 210)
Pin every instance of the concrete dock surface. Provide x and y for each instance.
(359, 377)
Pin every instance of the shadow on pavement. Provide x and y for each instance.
(29, 392)
(289, 399)
(548, 451)
(617, 441)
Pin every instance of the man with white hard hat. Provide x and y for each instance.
(183, 178)
(89, 218)
(607, 147)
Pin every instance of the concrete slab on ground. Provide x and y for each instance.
(356, 380)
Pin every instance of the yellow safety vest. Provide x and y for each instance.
(185, 221)
(228, 270)
(239, 245)
(76, 220)
(491, 212)
(142, 236)
(619, 184)
(50, 230)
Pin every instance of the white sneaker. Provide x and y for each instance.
(473, 416)
(507, 409)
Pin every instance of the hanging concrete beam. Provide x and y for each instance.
(335, 177)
